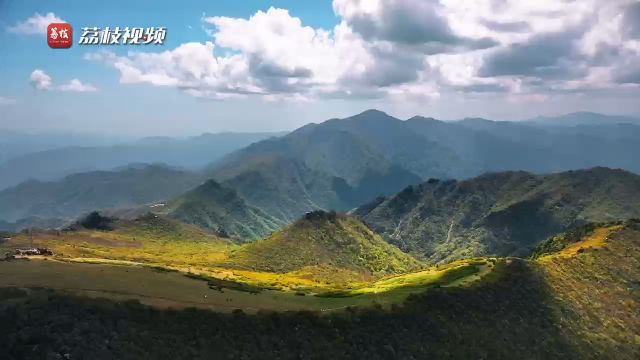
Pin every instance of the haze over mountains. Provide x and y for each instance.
(76, 194)
(46, 161)
(339, 164)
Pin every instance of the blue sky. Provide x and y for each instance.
(275, 65)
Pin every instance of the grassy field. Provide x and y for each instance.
(163, 289)
(164, 263)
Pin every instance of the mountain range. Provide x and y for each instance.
(50, 164)
(338, 165)
(505, 213)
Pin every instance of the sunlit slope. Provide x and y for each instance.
(151, 239)
(322, 239)
(593, 273)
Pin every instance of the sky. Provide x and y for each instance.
(257, 65)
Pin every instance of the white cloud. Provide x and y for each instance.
(37, 24)
(400, 48)
(4, 101)
(40, 80)
(76, 85)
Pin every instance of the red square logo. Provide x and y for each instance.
(59, 35)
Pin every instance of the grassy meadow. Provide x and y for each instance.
(170, 264)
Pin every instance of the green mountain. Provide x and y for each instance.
(80, 193)
(338, 164)
(342, 163)
(283, 187)
(501, 213)
(324, 240)
(220, 209)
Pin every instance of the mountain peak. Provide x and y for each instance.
(326, 239)
(376, 112)
(372, 114)
(422, 118)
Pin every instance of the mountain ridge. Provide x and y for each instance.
(505, 213)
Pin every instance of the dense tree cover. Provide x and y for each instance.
(505, 317)
(95, 221)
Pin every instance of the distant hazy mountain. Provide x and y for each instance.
(503, 213)
(71, 196)
(16, 143)
(191, 153)
(322, 240)
(584, 118)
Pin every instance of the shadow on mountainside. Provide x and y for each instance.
(507, 316)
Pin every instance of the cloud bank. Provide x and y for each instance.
(414, 49)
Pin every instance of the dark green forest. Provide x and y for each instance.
(510, 315)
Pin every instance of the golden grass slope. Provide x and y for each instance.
(597, 282)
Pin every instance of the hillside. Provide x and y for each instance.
(76, 194)
(282, 187)
(499, 214)
(149, 239)
(582, 304)
(324, 240)
(593, 273)
(220, 209)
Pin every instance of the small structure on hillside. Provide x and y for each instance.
(33, 252)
